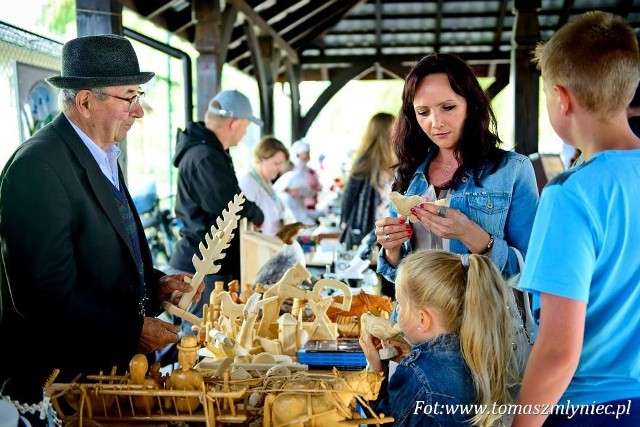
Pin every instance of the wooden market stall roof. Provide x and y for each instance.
(341, 40)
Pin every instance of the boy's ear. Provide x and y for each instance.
(564, 98)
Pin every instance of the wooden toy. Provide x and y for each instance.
(348, 321)
(138, 367)
(322, 401)
(404, 204)
(285, 288)
(216, 242)
(381, 328)
(186, 378)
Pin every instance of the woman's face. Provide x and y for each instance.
(440, 111)
(272, 167)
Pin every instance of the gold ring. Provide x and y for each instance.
(387, 238)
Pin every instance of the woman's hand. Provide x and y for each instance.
(450, 223)
(391, 233)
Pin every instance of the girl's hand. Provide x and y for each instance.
(370, 346)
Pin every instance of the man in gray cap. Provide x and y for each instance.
(80, 292)
(207, 183)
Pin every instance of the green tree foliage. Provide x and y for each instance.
(57, 15)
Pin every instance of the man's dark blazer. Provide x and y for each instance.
(71, 294)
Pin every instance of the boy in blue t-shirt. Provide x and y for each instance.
(583, 263)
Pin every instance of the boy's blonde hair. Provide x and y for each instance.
(473, 303)
(596, 57)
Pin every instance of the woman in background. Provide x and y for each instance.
(366, 195)
(270, 158)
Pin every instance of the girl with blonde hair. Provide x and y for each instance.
(454, 312)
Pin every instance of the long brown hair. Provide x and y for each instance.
(479, 141)
(374, 156)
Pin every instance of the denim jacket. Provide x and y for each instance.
(432, 375)
(504, 205)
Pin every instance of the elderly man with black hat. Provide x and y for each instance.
(80, 292)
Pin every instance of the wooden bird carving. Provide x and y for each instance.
(404, 204)
(378, 326)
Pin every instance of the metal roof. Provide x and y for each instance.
(381, 37)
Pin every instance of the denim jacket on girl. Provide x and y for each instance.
(504, 205)
(433, 375)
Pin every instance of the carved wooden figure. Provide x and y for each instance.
(285, 288)
(231, 310)
(383, 329)
(322, 328)
(247, 291)
(318, 402)
(138, 367)
(186, 378)
(234, 287)
(288, 334)
(216, 242)
(214, 300)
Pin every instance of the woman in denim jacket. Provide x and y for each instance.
(447, 146)
(454, 363)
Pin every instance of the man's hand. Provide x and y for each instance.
(175, 282)
(156, 334)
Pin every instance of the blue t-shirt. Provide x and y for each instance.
(585, 245)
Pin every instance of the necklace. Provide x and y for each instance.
(447, 168)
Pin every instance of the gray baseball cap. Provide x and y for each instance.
(234, 104)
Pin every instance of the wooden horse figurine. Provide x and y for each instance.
(286, 287)
(312, 402)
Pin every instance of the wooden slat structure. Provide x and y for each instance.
(340, 40)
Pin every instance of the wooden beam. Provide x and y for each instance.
(98, 17)
(257, 20)
(294, 76)
(337, 83)
(525, 77)
(263, 78)
(208, 44)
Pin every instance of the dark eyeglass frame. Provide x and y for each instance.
(133, 101)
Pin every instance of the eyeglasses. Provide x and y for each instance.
(133, 101)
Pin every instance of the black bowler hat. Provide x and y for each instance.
(99, 61)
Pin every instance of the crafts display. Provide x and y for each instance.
(249, 372)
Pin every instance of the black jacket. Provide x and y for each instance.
(358, 209)
(207, 182)
(71, 294)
